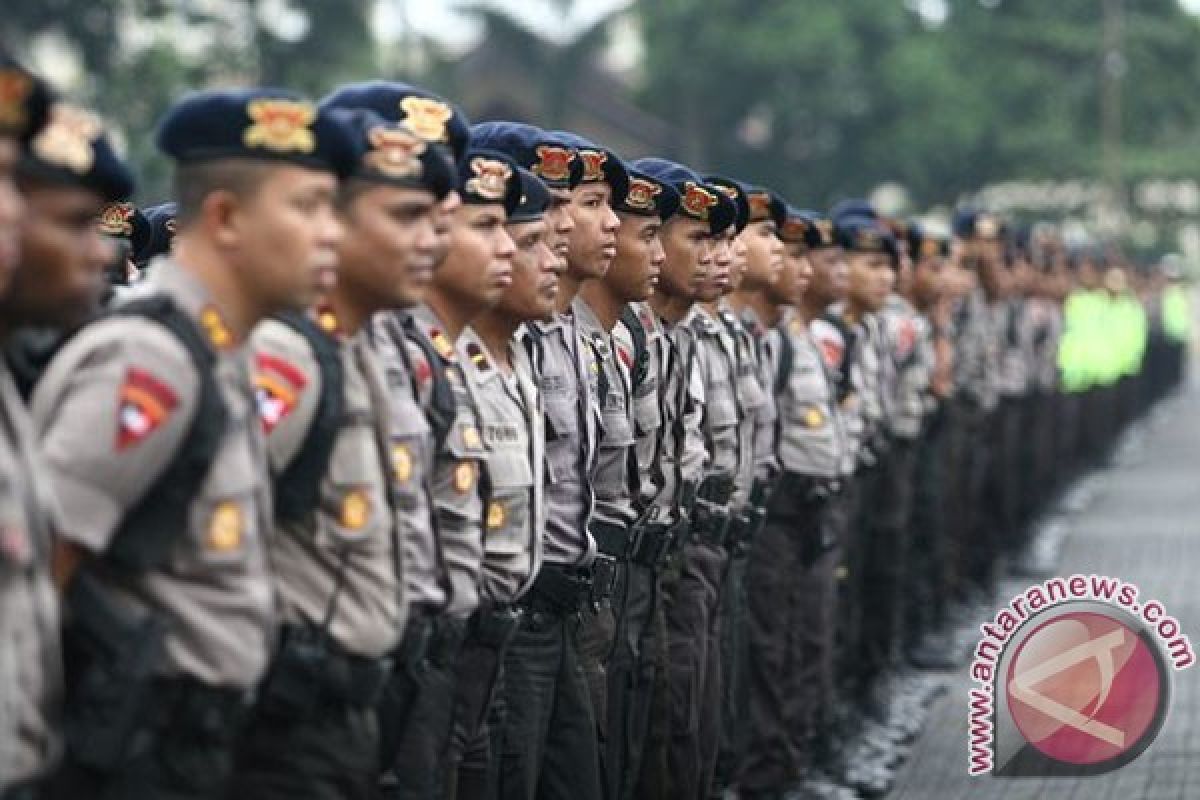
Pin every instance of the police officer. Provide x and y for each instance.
(156, 453)
(621, 525)
(443, 559)
(976, 365)
(344, 484)
(690, 277)
(500, 378)
(32, 677)
(791, 579)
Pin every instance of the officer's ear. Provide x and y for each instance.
(211, 195)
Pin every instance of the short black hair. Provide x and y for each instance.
(193, 182)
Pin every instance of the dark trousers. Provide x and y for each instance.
(597, 636)
(928, 578)
(971, 530)
(548, 746)
(731, 746)
(471, 764)
(885, 532)
(331, 755)
(181, 747)
(1002, 499)
(790, 594)
(693, 652)
(631, 675)
(653, 775)
(416, 710)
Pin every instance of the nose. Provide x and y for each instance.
(330, 229)
(505, 247)
(427, 237)
(611, 220)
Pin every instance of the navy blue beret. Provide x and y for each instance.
(535, 198)
(697, 200)
(852, 207)
(432, 118)
(543, 154)
(649, 197)
(923, 244)
(260, 124)
(486, 176)
(859, 234)
(160, 221)
(72, 149)
(599, 165)
(25, 100)
(765, 204)
(735, 192)
(818, 232)
(974, 223)
(388, 152)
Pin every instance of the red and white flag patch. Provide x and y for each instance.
(144, 404)
(277, 384)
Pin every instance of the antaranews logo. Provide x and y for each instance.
(1073, 677)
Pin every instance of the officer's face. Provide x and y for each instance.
(559, 224)
(764, 255)
(719, 277)
(593, 243)
(687, 245)
(870, 280)
(830, 274)
(640, 256)
(904, 274)
(60, 279)
(387, 255)
(11, 208)
(284, 236)
(534, 288)
(794, 275)
(478, 266)
(443, 218)
(928, 280)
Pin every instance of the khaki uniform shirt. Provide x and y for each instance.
(341, 566)
(113, 408)
(510, 417)
(30, 658)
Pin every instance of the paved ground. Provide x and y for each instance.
(1142, 524)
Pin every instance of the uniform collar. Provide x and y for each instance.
(476, 358)
(169, 278)
(433, 329)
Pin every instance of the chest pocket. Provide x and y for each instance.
(720, 403)
(506, 519)
(749, 389)
(226, 517)
(563, 437)
(647, 408)
(354, 498)
(456, 476)
(614, 419)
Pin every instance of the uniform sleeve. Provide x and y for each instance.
(112, 410)
(694, 456)
(287, 383)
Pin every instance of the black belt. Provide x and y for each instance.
(341, 678)
(493, 623)
(188, 704)
(559, 590)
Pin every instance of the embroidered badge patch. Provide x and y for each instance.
(143, 405)
(277, 384)
(642, 194)
(402, 463)
(593, 164)
(554, 163)
(15, 87)
(281, 126)
(117, 220)
(67, 139)
(224, 533)
(464, 477)
(426, 117)
(491, 178)
(356, 510)
(395, 153)
(697, 200)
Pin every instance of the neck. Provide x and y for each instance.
(568, 286)
(203, 262)
(351, 315)
(672, 308)
(496, 329)
(452, 314)
(603, 303)
(767, 312)
(812, 306)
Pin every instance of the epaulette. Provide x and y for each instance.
(478, 357)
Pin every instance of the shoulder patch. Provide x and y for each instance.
(478, 357)
(625, 356)
(144, 404)
(277, 385)
(830, 341)
(441, 343)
